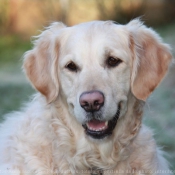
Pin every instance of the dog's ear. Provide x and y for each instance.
(151, 59)
(41, 63)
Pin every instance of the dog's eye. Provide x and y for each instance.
(72, 67)
(113, 62)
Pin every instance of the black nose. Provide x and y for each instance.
(91, 101)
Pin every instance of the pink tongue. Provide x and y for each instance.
(96, 124)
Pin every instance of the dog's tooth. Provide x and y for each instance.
(89, 127)
(99, 129)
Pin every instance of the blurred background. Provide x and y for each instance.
(21, 19)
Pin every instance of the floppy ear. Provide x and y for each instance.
(151, 59)
(40, 64)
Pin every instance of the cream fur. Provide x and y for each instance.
(46, 136)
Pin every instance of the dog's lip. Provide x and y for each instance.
(100, 129)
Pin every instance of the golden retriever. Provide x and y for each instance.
(93, 80)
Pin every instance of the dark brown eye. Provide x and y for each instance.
(72, 67)
(113, 62)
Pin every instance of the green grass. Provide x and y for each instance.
(12, 48)
(14, 89)
(12, 97)
(159, 111)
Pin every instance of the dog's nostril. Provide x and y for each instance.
(96, 103)
(86, 103)
(91, 101)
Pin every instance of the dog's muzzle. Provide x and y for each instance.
(100, 129)
(91, 102)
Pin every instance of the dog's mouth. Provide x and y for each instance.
(100, 129)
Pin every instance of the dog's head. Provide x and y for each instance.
(94, 67)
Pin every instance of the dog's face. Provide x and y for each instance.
(94, 67)
(95, 75)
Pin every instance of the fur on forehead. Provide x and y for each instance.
(96, 33)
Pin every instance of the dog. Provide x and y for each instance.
(93, 80)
